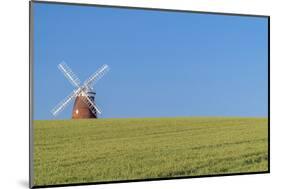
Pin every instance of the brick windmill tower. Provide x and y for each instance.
(84, 95)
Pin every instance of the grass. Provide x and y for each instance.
(75, 151)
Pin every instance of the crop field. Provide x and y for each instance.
(75, 151)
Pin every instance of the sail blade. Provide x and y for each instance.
(96, 76)
(62, 105)
(69, 74)
(91, 104)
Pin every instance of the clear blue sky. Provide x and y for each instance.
(162, 63)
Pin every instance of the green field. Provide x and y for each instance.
(74, 151)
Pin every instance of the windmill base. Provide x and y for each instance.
(81, 110)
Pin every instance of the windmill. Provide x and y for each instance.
(84, 95)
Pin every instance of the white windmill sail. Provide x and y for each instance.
(61, 106)
(92, 105)
(96, 76)
(69, 74)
